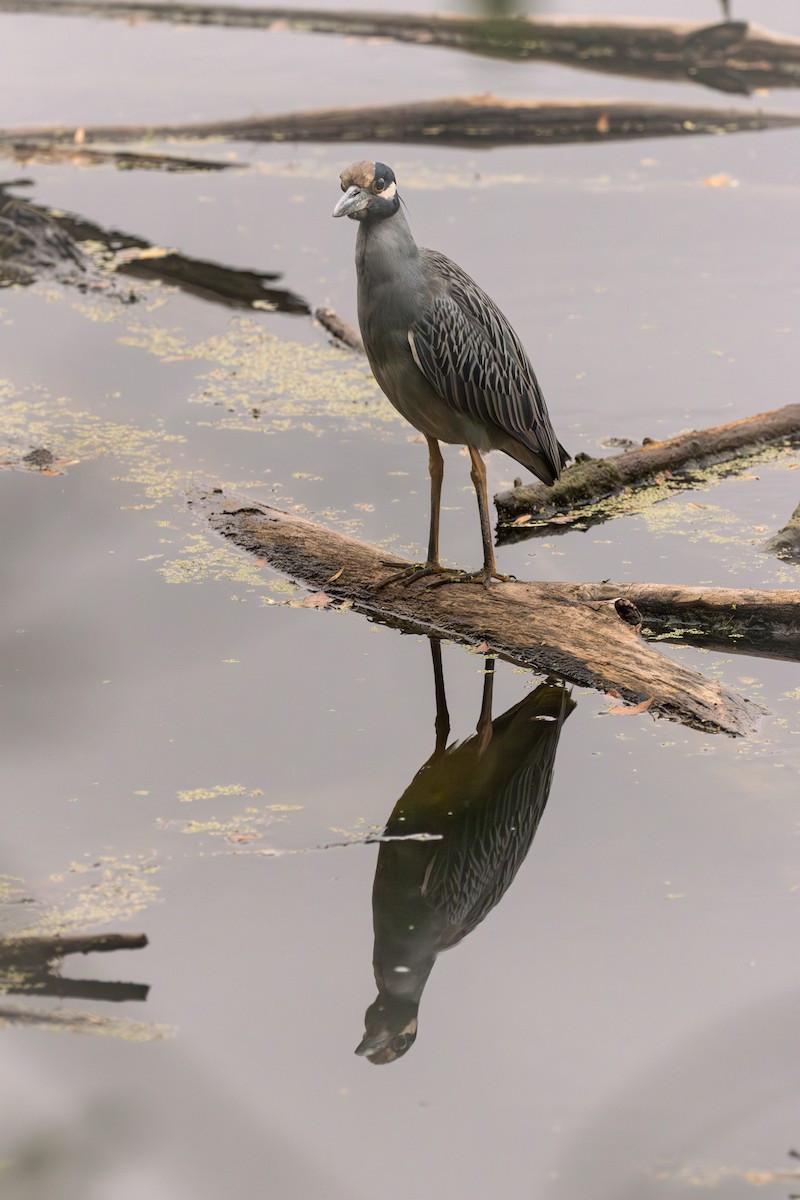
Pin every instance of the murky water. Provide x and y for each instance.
(187, 755)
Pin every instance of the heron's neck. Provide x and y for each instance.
(384, 246)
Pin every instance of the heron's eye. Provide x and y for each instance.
(379, 185)
(400, 1042)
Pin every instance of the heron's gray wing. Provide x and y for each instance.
(469, 353)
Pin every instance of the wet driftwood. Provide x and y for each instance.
(734, 56)
(483, 120)
(593, 479)
(786, 542)
(587, 640)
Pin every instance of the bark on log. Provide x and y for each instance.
(474, 121)
(591, 480)
(735, 56)
(786, 542)
(542, 626)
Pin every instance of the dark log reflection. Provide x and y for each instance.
(460, 832)
(32, 966)
(34, 239)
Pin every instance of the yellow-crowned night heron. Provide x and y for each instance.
(482, 802)
(444, 354)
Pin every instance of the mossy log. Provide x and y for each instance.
(594, 479)
(475, 121)
(592, 640)
(733, 56)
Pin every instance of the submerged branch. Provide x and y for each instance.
(734, 56)
(595, 479)
(457, 121)
(786, 542)
(588, 640)
(29, 153)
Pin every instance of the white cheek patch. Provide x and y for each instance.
(390, 192)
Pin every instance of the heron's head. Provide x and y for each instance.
(370, 192)
(391, 1030)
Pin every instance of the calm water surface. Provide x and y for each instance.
(188, 755)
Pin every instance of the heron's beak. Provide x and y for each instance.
(352, 202)
(372, 1042)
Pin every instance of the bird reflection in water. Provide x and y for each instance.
(480, 803)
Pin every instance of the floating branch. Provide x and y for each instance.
(593, 642)
(735, 56)
(339, 329)
(458, 121)
(595, 479)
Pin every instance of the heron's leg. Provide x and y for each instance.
(489, 570)
(431, 566)
(484, 726)
(436, 470)
(442, 725)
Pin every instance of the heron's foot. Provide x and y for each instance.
(411, 574)
(484, 576)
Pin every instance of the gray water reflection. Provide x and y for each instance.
(480, 803)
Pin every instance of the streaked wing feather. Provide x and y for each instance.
(469, 353)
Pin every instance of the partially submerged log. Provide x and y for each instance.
(35, 239)
(735, 56)
(473, 121)
(786, 542)
(595, 479)
(547, 627)
(761, 623)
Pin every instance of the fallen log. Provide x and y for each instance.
(547, 627)
(591, 480)
(735, 56)
(786, 542)
(474, 121)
